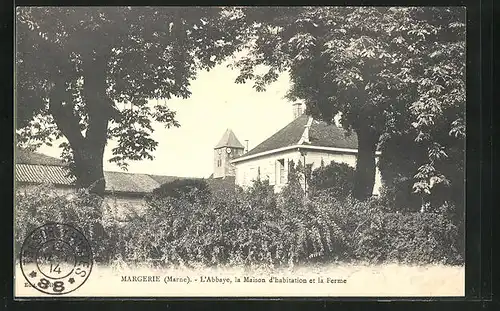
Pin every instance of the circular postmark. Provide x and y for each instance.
(56, 259)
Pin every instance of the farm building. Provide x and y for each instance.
(123, 190)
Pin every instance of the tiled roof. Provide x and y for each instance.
(320, 134)
(131, 183)
(36, 173)
(38, 169)
(325, 135)
(287, 136)
(27, 157)
(229, 140)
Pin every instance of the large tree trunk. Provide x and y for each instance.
(89, 168)
(88, 149)
(364, 177)
(89, 155)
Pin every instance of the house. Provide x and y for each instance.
(304, 139)
(124, 191)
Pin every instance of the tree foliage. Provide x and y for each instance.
(188, 189)
(86, 74)
(335, 178)
(383, 68)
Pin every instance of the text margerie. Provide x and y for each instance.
(140, 278)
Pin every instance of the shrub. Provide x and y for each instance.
(42, 205)
(375, 235)
(314, 234)
(261, 193)
(335, 178)
(255, 227)
(259, 227)
(409, 238)
(229, 230)
(398, 196)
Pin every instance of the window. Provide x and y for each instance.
(281, 171)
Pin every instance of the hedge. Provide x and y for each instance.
(250, 228)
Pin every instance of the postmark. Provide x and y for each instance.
(56, 259)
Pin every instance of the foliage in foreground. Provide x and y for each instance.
(187, 188)
(334, 178)
(250, 228)
(81, 210)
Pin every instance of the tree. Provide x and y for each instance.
(86, 74)
(374, 65)
(334, 178)
(191, 190)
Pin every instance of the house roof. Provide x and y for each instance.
(229, 140)
(131, 183)
(36, 173)
(321, 134)
(36, 169)
(27, 157)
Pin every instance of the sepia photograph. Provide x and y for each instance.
(243, 151)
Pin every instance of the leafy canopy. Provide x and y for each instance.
(389, 71)
(76, 64)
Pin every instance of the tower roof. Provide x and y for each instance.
(229, 140)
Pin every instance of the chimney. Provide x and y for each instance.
(297, 110)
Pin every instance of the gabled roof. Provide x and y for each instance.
(229, 140)
(27, 157)
(330, 135)
(321, 134)
(35, 168)
(130, 183)
(38, 174)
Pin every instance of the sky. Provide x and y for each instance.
(216, 104)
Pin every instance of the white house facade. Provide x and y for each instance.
(304, 139)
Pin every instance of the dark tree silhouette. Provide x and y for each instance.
(86, 74)
(375, 66)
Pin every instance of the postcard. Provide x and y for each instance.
(239, 152)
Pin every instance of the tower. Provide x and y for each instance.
(228, 148)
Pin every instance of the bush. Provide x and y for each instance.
(398, 196)
(250, 228)
(409, 238)
(189, 189)
(335, 178)
(43, 205)
(239, 228)
(314, 232)
(374, 235)
(259, 227)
